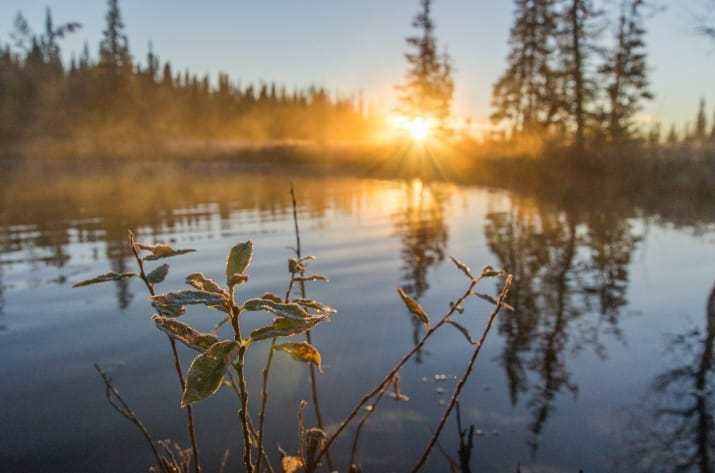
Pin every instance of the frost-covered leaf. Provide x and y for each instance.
(302, 351)
(106, 277)
(161, 250)
(291, 464)
(190, 337)
(462, 267)
(202, 283)
(158, 274)
(191, 297)
(283, 327)
(172, 304)
(271, 297)
(169, 310)
(290, 310)
(206, 372)
(414, 307)
(314, 307)
(238, 259)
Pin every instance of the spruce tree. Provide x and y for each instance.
(625, 72)
(524, 96)
(114, 54)
(578, 36)
(672, 136)
(429, 86)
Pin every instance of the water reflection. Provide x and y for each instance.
(424, 234)
(565, 264)
(678, 432)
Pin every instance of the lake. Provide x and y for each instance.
(606, 364)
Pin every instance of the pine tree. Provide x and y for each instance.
(114, 54)
(525, 95)
(701, 123)
(712, 130)
(429, 86)
(625, 72)
(578, 36)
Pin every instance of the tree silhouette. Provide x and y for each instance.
(701, 124)
(429, 87)
(625, 71)
(114, 54)
(525, 95)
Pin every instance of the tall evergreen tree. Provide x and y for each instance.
(114, 54)
(578, 43)
(429, 85)
(672, 136)
(625, 71)
(525, 94)
(701, 123)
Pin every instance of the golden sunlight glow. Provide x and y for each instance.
(417, 128)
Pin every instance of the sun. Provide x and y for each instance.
(419, 128)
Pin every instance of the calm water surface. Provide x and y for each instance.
(606, 364)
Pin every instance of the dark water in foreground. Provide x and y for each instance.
(606, 365)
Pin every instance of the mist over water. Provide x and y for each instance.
(612, 333)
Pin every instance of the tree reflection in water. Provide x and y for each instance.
(565, 264)
(423, 234)
(677, 432)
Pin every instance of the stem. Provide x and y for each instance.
(311, 368)
(390, 375)
(243, 391)
(455, 397)
(177, 362)
(356, 439)
(264, 402)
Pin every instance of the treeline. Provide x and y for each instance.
(579, 73)
(111, 96)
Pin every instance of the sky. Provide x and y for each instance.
(353, 45)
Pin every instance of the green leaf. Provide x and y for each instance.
(206, 372)
(190, 337)
(172, 304)
(271, 297)
(290, 310)
(414, 307)
(302, 351)
(315, 307)
(238, 259)
(158, 275)
(283, 327)
(106, 277)
(202, 283)
(160, 250)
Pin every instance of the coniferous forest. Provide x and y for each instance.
(576, 73)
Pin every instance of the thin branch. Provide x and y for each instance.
(358, 431)
(455, 397)
(390, 375)
(117, 402)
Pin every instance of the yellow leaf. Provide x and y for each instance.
(302, 351)
(414, 307)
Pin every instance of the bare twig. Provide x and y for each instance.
(396, 368)
(358, 431)
(175, 353)
(117, 402)
(458, 391)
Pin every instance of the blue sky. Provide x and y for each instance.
(349, 45)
